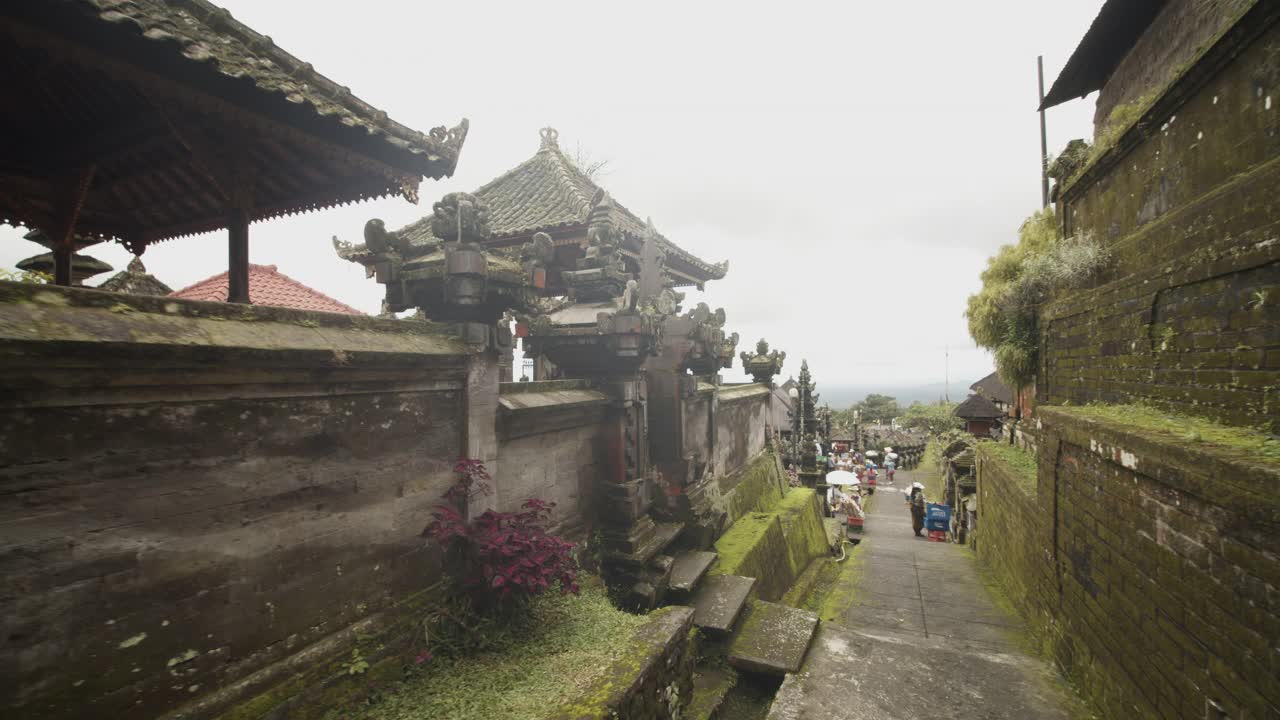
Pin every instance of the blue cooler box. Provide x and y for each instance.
(937, 517)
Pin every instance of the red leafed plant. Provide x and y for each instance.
(500, 557)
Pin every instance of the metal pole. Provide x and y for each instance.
(1044, 141)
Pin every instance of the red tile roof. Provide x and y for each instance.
(268, 286)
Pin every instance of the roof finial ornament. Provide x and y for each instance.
(550, 137)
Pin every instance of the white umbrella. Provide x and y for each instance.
(889, 450)
(842, 477)
(871, 453)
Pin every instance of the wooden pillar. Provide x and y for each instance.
(62, 254)
(238, 256)
(66, 214)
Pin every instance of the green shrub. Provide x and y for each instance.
(1004, 315)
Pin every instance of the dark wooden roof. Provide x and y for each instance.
(1118, 26)
(548, 193)
(994, 389)
(180, 111)
(82, 266)
(977, 407)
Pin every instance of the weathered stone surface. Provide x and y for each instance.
(913, 677)
(1185, 206)
(720, 600)
(773, 638)
(709, 688)
(197, 493)
(775, 547)
(653, 680)
(1154, 598)
(688, 569)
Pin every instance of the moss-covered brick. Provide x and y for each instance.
(1143, 561)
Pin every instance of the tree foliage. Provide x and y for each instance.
(1004, 315)
(874, 408)
(932, 419)
(878, 407)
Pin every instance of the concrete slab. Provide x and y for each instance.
(688, 569)
(855, 675)
(720, 600)
(773, 639)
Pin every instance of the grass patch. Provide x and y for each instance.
(1019, 461)
(562, 646)
(929, 472)
(1249, 444)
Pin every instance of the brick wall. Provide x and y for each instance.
(1188, 206)
(1157, 587)
(1011, 537)
(1175, 37)
(195, 496)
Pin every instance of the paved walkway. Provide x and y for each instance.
(922, 639)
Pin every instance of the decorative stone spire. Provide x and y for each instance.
(550, 138)
(763, 365)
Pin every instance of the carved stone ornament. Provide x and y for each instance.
(601, 273)
(763, 365)
(450, 277)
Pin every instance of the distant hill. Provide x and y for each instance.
(842, 396)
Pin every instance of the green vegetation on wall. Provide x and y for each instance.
(561, 646)
(774, 547)
(1004, 314)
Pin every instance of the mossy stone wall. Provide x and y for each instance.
(653, 681)
(1145, 565)
(206, 504)
(774, 547)
(1188, 206)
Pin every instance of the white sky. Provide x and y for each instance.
(856, 162)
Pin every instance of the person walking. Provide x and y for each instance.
(916, 502)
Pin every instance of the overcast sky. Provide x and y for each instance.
(856, 162)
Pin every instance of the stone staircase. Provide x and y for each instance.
(740, 633)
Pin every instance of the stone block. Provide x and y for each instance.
(773, 639)
(720, 600)
(688, 569)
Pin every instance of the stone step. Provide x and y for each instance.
(719, 601)
(709, 689)
(688, 569)
(650, 539)
(772, 638)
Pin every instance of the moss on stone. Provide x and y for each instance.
(1246, 444)
(838, 596)
(774, 547)
(1021, 465)
(756, 488)
(567, 645)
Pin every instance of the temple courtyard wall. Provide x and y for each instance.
(216, 510)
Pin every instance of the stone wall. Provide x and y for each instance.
(204, 503)
(741, 422)
(1177, 35)
(1186, 204)
(1145, 564)
(697, 421)
(549, 447)
(653, 681)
